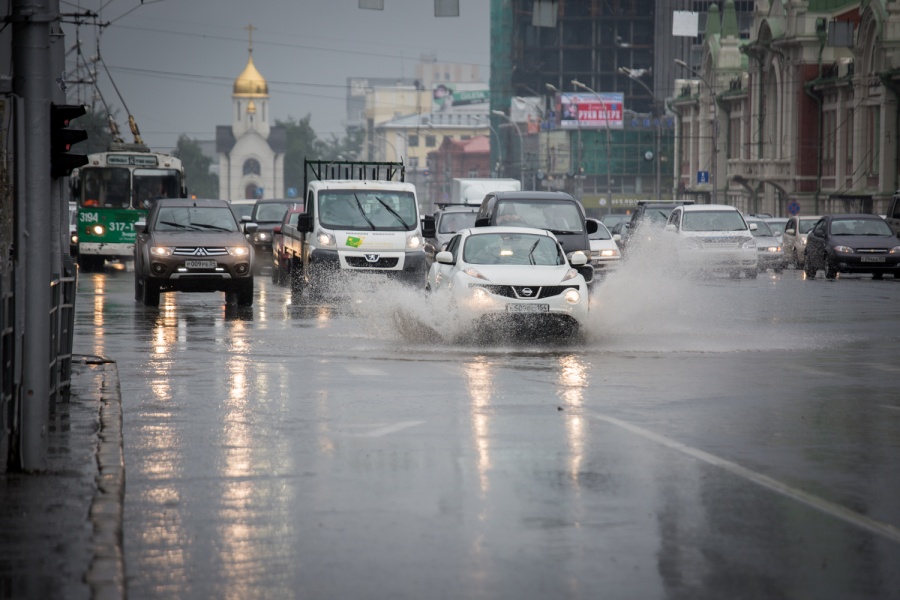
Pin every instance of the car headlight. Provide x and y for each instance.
(239, 251)
(843, 249)
(472, 272)
(894, 250)
(326, 240)
(98, 229)
(609, 253)
(74, 239)
(803, 241)
(262, 236)
(414, 242)
(570, 274)
(572, 296)
(749, 244)
(160, 251)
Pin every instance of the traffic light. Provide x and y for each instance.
(62, 139)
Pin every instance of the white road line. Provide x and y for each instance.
(830, 508)
(363, 371)
(393, 428)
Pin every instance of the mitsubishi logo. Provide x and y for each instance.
(527, 291)
(371, 258)
(200, 252)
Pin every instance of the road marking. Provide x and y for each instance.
(363, 371)
(829, 508)
(393, 428)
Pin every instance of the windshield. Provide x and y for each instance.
(658, 216)
(512, 249)
(806, 225)
(777, 226)
(762, 229)
(860, 227)
(153, 184)
(242, 210)
(105, 186)
(713, 220)
(188, 218)
(271, 212)
(557, 216)
(453, 222)
(391, 210)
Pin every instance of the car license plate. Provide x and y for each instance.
(527, 308)
(200, 264)
(879, 259)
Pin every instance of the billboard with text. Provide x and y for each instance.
(590, 111)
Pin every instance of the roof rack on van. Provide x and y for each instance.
(675, 202)
(348, 169)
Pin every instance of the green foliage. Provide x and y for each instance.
(97, 126)
(200, 182)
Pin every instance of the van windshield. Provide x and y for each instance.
(387, 210)
(559, 216)
(713, 220)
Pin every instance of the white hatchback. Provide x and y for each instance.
(713, 237)
(518, 275)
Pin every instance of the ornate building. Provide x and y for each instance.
(251, 152)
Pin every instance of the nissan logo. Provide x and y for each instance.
(371, 258)
(527, 291)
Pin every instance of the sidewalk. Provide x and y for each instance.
(62, 528)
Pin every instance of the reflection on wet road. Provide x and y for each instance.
(713, 438)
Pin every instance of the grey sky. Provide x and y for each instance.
(174, 61)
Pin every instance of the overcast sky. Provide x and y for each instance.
(175, 61)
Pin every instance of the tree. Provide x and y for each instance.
(97, 126)
(200, 181)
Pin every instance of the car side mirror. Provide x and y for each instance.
(616, 237)
(578, 259)
(428, 226)
(790, 231)
(141, 226)
(250, 228)
(245, 218)
(276, 229)
(671, 227)
(304, 223)
(592, 226)
(482, 222)
(444, 257)
(754, 227)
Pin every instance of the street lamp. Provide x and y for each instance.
(500, 113)
(634, 76)
(499, 145)
(578, 84)
(712, 94)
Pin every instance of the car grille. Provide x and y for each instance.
(872, 250)
(518, 291)
(723, 241)
(200, 251)
(360, 262)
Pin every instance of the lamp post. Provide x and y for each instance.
(631, 74)
(500, 113)
(499, 146)
(715, 136)
(578, 84)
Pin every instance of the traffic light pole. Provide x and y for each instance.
(32, 84)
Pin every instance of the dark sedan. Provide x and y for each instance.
(852, 244)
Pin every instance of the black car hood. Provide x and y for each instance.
(864, 241)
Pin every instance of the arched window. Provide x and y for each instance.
(251, 167)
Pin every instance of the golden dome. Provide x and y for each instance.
(250, 84)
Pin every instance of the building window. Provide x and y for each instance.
(251, 167)
(430, 141)
(413, 141)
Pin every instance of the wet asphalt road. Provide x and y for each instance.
(707, 439)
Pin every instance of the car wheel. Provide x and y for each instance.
(795, 260)
(830, 270)
(138, 289)
(151, 292)
(244, 295)
(751, 273)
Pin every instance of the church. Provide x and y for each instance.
(251, 151)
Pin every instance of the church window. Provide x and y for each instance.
(251, 167)
(430, 141)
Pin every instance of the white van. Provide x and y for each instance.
(713, 237)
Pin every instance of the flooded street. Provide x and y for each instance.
(705, 438)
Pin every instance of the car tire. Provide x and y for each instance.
(138, 289)
(151, 292)
(830, 270)
(795, 260)
(245, 293)
(751, 273)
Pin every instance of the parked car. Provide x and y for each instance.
(852, 243)
(794, 238)
(605, 253)
(266, 214)
(448, 220)
(189, 245)
(713, 237)
(516, 276)
(769, 253)
(281, 267)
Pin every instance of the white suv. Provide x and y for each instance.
(713, 237)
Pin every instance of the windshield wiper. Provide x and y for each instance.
(561, 231)
(178, 225)
(531, 252)
(363, 212)
(208, 226)
(393, 212)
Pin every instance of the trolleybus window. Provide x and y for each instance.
(106, 187)
(153, 184)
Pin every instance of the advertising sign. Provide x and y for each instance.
(460, 97)
(590, 111)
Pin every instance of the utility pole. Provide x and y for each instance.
(715, 127)
(32, 83)
(631, 74)
(578, 84)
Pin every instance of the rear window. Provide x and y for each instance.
(556, 215)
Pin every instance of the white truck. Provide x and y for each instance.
(473, 190)
(361, 218)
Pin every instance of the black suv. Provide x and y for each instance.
(267, 214)
(557, 212)
(650, 214)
